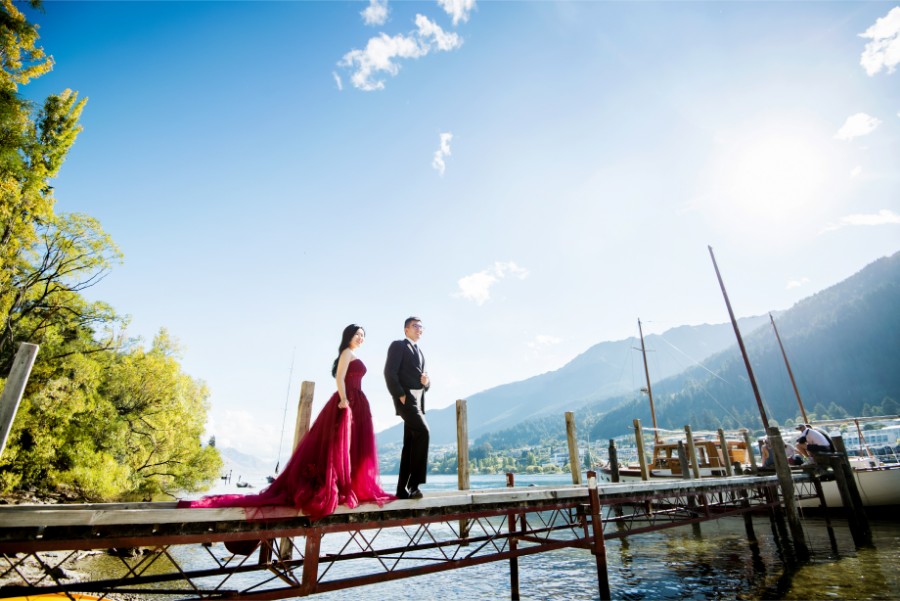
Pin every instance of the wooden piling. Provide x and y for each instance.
(786, 483)
(304, 411)
(599, 544)
(846, 483)
(613, 461)
(572, 437)
(304, 417)
(750, 455)
(642, 458)
(692, 451)
(513, 546)
(15, 388)
(462, 456)
(726, 453)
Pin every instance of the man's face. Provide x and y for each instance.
(414, 330)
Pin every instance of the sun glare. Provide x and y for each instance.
(773, 179)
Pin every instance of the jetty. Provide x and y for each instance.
(167, 552)
(277, 553)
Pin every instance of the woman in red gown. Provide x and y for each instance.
(336, 461)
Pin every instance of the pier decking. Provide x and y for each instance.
(282, 554)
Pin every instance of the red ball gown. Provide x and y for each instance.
(336, 462)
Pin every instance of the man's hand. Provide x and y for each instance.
(424, 380)
(403, 400)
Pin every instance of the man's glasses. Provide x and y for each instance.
(418, 326)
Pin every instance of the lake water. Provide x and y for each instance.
(672, 564)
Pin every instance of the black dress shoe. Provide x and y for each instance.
(416, 494)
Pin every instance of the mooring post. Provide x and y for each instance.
(639, 441)
(726, 452)
(15, 388)
(751, 456)
(462, 456)
(572, 438)
(513, 545)
(304, 416)
(599, 549)
(786, 482)
(692, 451)
(613, 461)
(846, 483)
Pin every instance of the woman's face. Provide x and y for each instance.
(357, 339)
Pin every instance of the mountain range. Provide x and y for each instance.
(843, 344)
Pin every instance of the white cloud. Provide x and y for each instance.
(376, 13)
(542, 341)
(884, 49)
(856, 171)
(882, 217)
(337, 81)
(797, 283)
(458, 9)
(444, 151)
(477, 286)
(383, 51)
(857, 125)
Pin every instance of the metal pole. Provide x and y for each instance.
(15, 388)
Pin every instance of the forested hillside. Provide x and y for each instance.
(843, 345)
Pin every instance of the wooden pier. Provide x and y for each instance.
(277, 553)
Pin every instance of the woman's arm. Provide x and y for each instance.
(343, 363)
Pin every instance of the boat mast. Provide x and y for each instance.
(737, 332)
(649, 390)
(287, 396)
(790, 372)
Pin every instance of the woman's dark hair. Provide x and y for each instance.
(349, 332)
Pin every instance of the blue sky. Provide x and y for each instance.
(528, 177)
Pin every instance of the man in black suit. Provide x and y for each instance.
(407, 381)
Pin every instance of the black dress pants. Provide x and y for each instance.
(414, 456)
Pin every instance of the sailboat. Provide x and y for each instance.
(666, 462)
(878, 482)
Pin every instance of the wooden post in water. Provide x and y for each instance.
(684, 462)
(726, 453)
(613, 461)
(572, 437)
(462, 456)
(513, 545)
(692, 451)
(750, 454)
(15, 388)
(599, 549)
(786, 482)
(846, 483)
(304, 416)
(642, 458)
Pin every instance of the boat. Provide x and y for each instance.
(878, 482)
(666, 463)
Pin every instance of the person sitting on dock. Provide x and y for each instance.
(813, 441)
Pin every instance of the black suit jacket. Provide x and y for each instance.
(403, 372)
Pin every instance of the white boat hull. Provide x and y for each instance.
(878, 487)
